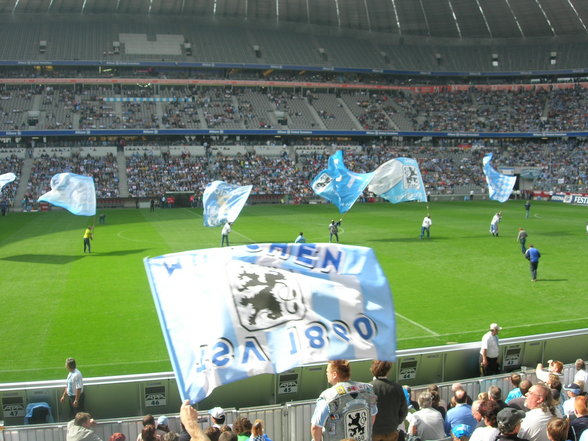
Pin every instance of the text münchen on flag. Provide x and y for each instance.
(339, 185)
(232, 313)
(223, 202)
(75, 193)
(499, 185)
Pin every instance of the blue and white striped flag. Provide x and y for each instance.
(75, 193)
(6, 178)
(499, 185)
(399, 180)
(339, 185)
(233, 313)
(223, 202)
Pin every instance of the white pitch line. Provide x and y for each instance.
(87, 365)
(232, 232)
(120, 235)
(417, 324)
(480, 331)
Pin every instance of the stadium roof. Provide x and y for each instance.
(457, 19)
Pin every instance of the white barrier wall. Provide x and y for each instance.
(57, 152)
(192, 150)
(97, 152)
(142, 150)
(297, 389)
(228, 150)
(20, 153)
(290, 421)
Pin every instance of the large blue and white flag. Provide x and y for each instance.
(6, 178)
(339, 185)
(75, 193)
(399, 180)
(223, 202)
(233, 313)
(499, 185)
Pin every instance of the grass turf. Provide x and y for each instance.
(58, 302)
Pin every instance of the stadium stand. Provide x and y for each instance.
(151, 171)
(282, 169)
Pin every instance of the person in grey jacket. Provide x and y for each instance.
(80, 428)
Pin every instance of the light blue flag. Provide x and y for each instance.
(6, 178)
(399, 180)
(499, 185)
(339, 185)
(233, 313)
(75, 193)
(223, 202)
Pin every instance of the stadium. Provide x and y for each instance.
(155, 99)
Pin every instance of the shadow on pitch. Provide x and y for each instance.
(551, 280)
(117, 253)
(43, 258)
(408, 239)
(54, 259)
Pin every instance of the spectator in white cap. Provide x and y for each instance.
(218, 416)
(572, 391)
(489, 351)
(162, 424)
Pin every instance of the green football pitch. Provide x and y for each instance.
(59, 302)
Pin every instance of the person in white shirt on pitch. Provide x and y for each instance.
(225, 234)
(426, 227)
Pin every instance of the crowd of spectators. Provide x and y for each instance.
(104, 170)
(553, 166)
(11, 164)
(539, 407)
(473, 109)
(150, 176)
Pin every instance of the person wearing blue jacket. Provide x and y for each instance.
(533, 255)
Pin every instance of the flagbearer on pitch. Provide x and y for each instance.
(426, 226)
(334, 230)
(88, 236)
(225, 234)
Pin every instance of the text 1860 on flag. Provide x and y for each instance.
(232, 313)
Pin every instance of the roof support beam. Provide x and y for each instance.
(546, 17)
(515, 18)
(367, 15)
(425, 17)
(396, 16)
(454, 18)
(578, 16)
(485, 19)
